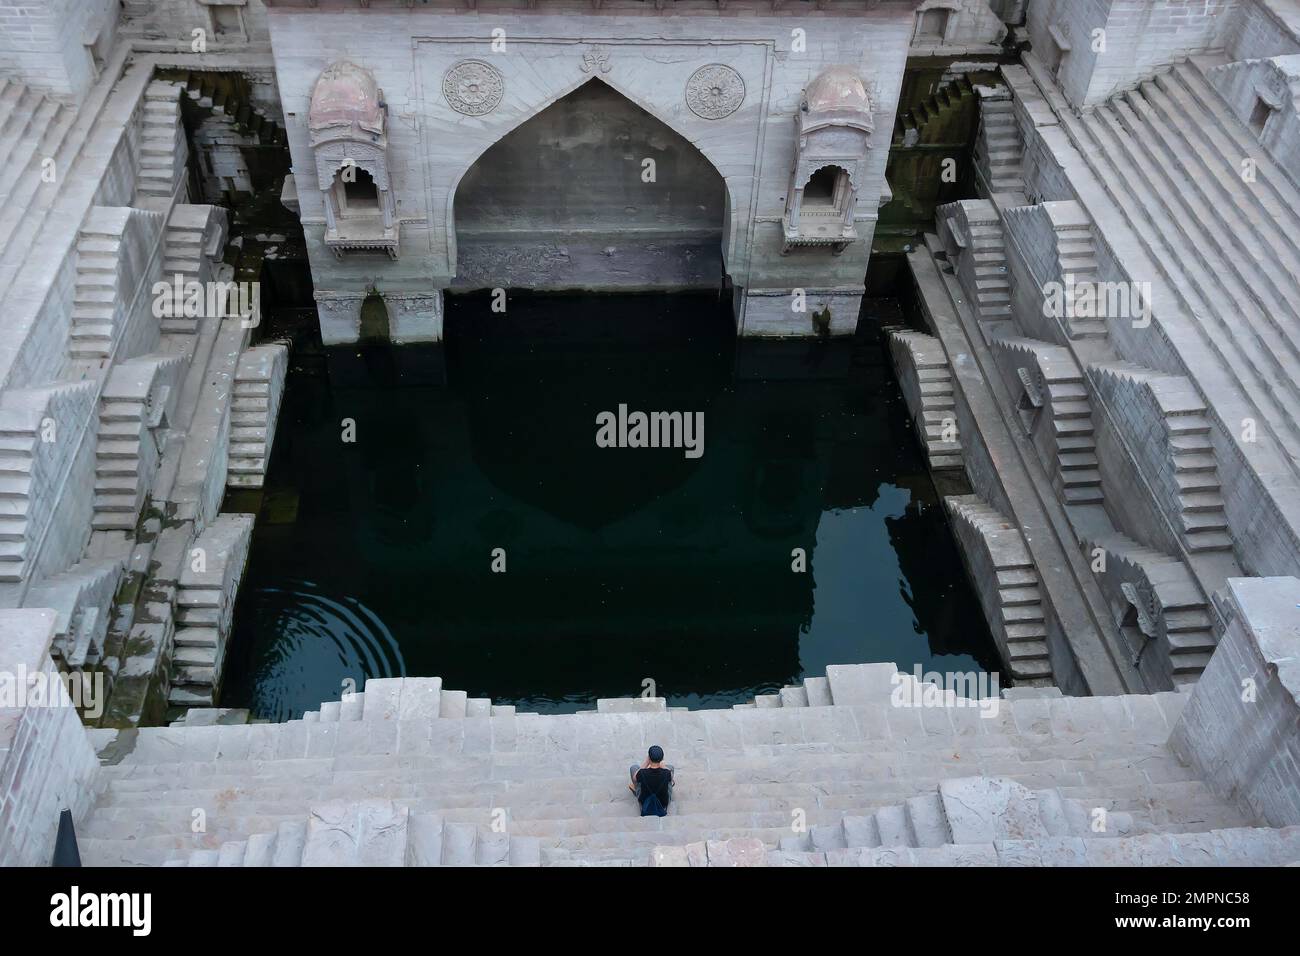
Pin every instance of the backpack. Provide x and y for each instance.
(652, 807)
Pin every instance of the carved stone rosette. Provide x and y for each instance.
(715, 91)
(473, 87)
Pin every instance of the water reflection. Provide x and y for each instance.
(621, 564)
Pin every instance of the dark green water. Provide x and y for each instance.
(374, 558)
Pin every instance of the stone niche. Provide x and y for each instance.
(833, 131)
(348, 126)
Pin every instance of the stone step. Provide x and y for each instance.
(1210, 541)
(1014, 596)
(198, 637)
(1067, 444)
(818, 690)
(1022, 614)
(1192, 482)
(927, 823)
(1224, 203)
(1025, 657)
(1071, 409)
(1083, 494)
(462, 836)
(1182, 425)
(1074, 477)
(1228, 847)
(116, 467)
(365, 833)
(1140, 194)
(561, 778)
(290, 840)
(195, 656)
(794, 697)
(126, 502)
(1196, 522)
(1017, 577)
(1201, 501)
(107, 246)
(190, 696)
(1189, 662)
(118, 449)
(1072, 427)
(907, 741)
(94, 314)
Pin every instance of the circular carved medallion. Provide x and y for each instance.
(473, 87)
(715, 91)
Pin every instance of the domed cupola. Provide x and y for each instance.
(833, 131)
(348, 125)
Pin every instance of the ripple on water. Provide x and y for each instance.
(321, 641)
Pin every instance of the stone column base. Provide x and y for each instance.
(412, 316)
(776, 313)
(415, 318)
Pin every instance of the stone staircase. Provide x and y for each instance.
(33, 129)
(975, 242)
(123, 447)
(932, 121)
(82, 595)
(162, 142)
(1200, 498)
(227, 94)
(1077, 256)
(999, 151)
(194, 239)
(1007, 584)
(992, 286)
(836, 747)
(1188, 468)
(205, 603)
(259, 385)
(922, 367)
(965, 810)
(95, 307)
(1197, 152)
(18, 438)
(372, 833)
(1076, 456)
(1228, 847)
(125, 459)
(36, 425)
(131, 410)
(1166, 588)
(1049, 379)
(1170, 155)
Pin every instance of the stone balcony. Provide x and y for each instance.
(367, 234)
(816, 229)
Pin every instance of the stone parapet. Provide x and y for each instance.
(46, 762)
(1241, 728)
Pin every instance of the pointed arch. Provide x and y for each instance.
(644, 135)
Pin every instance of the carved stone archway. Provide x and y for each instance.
(591, 192)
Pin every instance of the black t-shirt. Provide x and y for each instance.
(655, 780)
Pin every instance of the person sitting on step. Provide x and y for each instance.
(652, 783)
